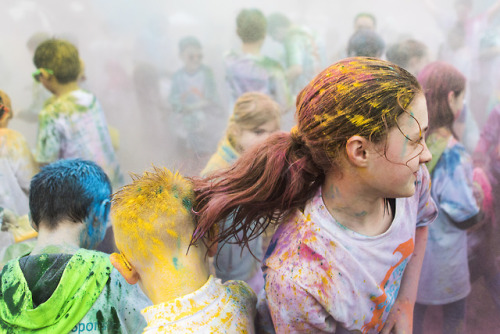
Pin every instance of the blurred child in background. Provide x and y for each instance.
(304, 53)
(445, 272)
(17, 166)
(410, 54)
(72, 123)
(255, 117)
(248, 70)
(194, 98)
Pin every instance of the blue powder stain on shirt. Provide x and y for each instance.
(452, 159)
(271, 247)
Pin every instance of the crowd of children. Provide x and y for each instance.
(364, 212)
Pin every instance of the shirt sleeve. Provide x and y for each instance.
(48, 140)
(456, 197)
(294, 310)
(427, 209)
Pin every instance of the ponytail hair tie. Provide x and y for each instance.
(297, 136)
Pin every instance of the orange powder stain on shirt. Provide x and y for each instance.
(406, 249)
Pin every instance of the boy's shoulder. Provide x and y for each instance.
(75, 101)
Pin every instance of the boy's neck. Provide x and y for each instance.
(65, 236)
(63, 89)
(171, 282)
(252, 48)
(355, 207)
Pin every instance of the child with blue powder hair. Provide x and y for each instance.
(61, 286)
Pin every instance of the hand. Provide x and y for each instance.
(400, 319)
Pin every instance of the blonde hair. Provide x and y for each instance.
(252, 110)
(152, 214)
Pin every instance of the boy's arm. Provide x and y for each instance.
(400, 319)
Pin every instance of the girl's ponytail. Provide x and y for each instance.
(260, 188)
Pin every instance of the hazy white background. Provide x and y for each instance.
(114, 36)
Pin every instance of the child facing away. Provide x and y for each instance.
(72, 123)
(410, 54)
(247, 70)
(445, 272)
(153, 222)
(349, 192)
(61, 286)
(304, 52)
(17, 166)
(194, 97)
(255, 117)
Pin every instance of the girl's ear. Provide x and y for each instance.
(124, 268)
(356, 151)
(451, 99)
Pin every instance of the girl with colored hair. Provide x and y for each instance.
(255, 117)
(445, 273)
(350, 196)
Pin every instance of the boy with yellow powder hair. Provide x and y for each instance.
(153, 222)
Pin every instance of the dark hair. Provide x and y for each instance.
(59, 56)
(251, 25)
(365, 43)
(438, 79)
(276, 21)
(67, 189)
(368, 15)
(356, 96)
(189, 41)
(401, 53)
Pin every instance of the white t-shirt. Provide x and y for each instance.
(214, 308)
(321, 276)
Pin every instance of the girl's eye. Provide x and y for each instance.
(259, 131)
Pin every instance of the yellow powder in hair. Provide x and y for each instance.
(153, 214)
(359, 120)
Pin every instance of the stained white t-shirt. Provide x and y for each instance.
(214, 308)
(321, 276)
